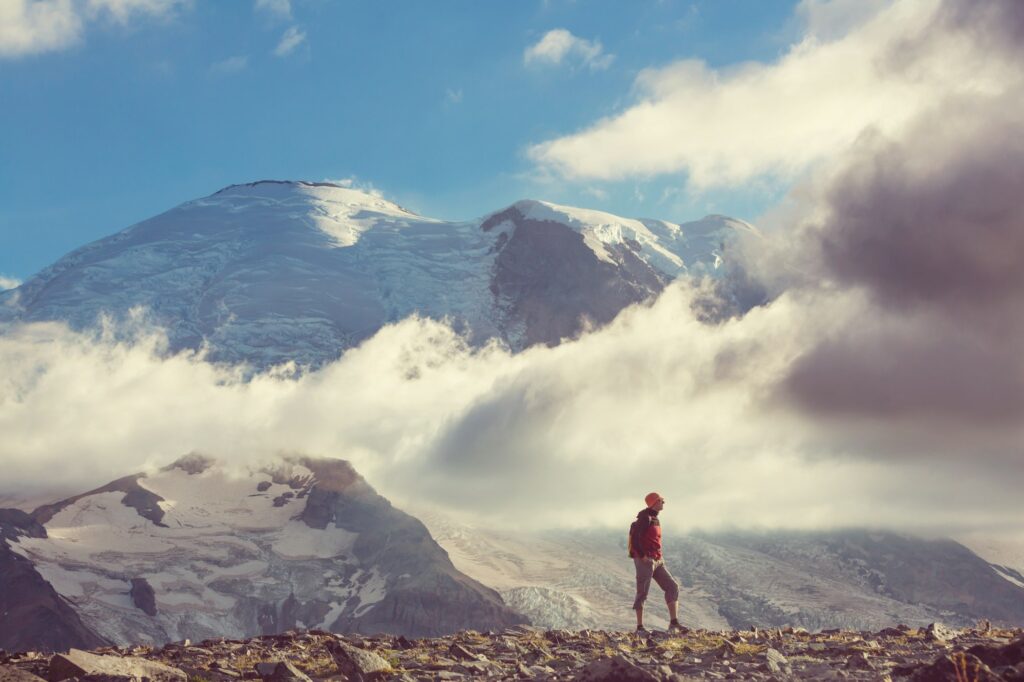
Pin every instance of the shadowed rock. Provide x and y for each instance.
(143, 596)
(138, 498)
(32, 614)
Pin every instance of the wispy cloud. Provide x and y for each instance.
(230, 65)
(292, 38)
(560, 46)
(8, 282)
(37, 26)
(353, 182)
(453, 96)
(278, 8)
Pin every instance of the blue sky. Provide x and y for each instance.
(153, 102)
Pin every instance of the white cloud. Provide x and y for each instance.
(38, 26)
(292, 38)
(353, 182)
(280, 8)
(657, 399)
(8, 282)
(123, 11)
(730, 126)
(33, 27)
(558, 45)
(230, 65)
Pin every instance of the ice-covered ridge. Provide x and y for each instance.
(600, 229)
(342, 213)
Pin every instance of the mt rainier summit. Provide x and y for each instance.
(271, 272)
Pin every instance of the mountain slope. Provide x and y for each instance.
(849, 579)
(198, 550)
(272, 272)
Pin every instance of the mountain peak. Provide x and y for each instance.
(278, 271)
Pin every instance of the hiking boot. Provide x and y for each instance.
(676, 627)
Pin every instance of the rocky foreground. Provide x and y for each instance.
(523, 652)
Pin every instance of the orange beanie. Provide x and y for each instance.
(652, 499)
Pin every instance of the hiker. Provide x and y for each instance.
(645, 548)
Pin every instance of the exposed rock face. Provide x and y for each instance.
(32, 614)
(302, 543)
(430, 597)
(143, 596)
(549, 283)
(532, 653)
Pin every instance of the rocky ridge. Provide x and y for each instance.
(524, 652)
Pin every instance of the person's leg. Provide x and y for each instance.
(667, 583)
(644, 571)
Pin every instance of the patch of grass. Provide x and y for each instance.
(748, 649)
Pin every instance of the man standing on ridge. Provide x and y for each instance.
(645, 548)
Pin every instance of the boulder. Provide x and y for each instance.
(283, 671)
(939, 632)
(777, 663)
(357, 663)
(77, 663)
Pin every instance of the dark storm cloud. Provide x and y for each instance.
(936, 218)
(929, 223)
(931, 226)
(996, 23)
(923, 368)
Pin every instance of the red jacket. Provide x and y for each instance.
(649, 533)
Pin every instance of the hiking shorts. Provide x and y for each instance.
(645, 571)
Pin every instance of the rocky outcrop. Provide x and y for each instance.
(899, 653)
(426, 595)
(143, 596)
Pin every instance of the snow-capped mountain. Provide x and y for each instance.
(200, 550)
(857, 580)
(271, 271)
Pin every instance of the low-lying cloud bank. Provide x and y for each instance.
(573, 435)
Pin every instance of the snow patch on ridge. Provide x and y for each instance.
(600, 229)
